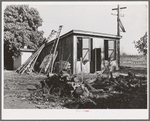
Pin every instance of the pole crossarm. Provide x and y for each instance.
(119, 8)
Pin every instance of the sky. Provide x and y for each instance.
(94, 16)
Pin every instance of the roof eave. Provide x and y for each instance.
(94, 34)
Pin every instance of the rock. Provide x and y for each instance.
(31, 87)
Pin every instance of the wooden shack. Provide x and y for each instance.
(95, 48)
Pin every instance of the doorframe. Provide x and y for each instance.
(75, 38)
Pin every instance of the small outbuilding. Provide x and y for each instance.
(95, 48)
(25, 54)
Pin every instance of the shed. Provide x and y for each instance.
(93, 47)
(25, 54)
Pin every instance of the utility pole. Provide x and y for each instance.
(117, 42)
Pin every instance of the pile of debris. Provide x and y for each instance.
(74, 91)
(63, 84)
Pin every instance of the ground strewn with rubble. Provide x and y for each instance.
(24, 92)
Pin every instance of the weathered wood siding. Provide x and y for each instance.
(65, 48)
(45, 51)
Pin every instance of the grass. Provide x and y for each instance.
(135, 70)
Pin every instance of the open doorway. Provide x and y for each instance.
(84, 48)
(96, 60)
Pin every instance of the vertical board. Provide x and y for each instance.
(91, 56)
(115, 50)
(79, 48)
(74, 46)
(98, 59)
(90, 48)
(106, 49)
(92, 69)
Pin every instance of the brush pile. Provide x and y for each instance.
(71, 91)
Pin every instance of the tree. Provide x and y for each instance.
(141, 44)
(21, 29)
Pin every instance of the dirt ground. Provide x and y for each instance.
(17, 90)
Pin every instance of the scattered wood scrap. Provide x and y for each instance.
(70, 90)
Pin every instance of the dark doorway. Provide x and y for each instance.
(79, 48)
(106, 49)
(96, 60)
